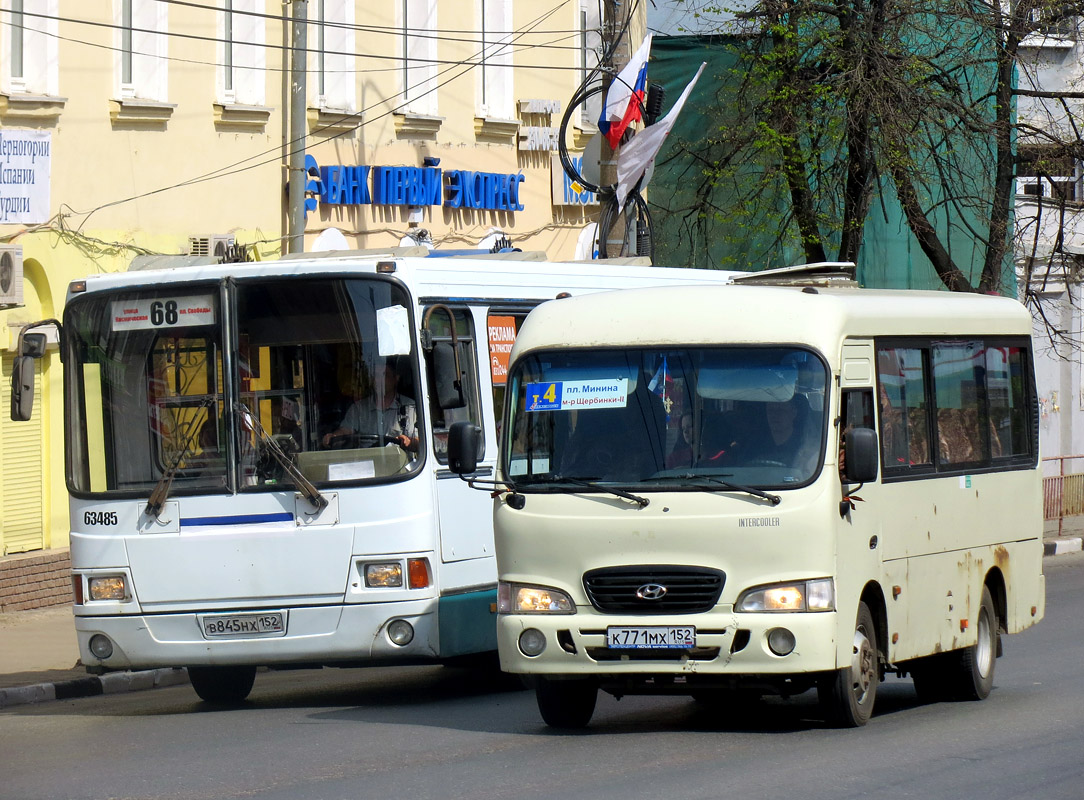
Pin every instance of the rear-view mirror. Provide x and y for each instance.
(860, 453)
(22, 388)
(464, 439)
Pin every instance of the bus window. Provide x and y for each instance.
(470, 411)
(962, 432)
(1006, 392)
(905, 440)
(501, 327)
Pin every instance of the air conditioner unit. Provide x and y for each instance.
(11, 275)
(216, 245)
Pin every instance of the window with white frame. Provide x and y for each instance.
(417, 19)
(590, 41)
(1048, 171)
(494, 59)
(142, 47)
(331, 54)
(30, 47)
(241, 53)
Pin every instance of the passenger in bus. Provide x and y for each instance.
(390, 415)
(682, 453)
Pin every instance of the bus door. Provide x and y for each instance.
(454, 396)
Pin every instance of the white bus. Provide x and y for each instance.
(256, 456)
(733, 491)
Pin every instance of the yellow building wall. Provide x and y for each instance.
(131, 179)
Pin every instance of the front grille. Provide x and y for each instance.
(693, 654)
(689, 590)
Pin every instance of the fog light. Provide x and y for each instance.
(401, 632)
(100, 646)
(110, 587)
(780, 641)
(532, 642)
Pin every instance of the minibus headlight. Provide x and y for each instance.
(389, 574)
(107, 587)
(517, 598)
(816, 595)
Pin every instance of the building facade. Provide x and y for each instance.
(159, 127)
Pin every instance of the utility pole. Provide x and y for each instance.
(619, 57)
(297, 178)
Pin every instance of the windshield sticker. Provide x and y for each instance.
(163, 312)
(572, 395)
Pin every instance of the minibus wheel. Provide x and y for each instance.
(966, 674)
(222, 685)
(566, 704)
(847, 695)
(974, 674)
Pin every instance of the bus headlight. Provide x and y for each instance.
(389, 574)
(107, 587)
(816, 595)
(518, 598)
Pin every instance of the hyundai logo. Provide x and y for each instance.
(651, 591)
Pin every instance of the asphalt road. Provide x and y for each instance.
(431, 732)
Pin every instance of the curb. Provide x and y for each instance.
(110, 683)
(1059, 547)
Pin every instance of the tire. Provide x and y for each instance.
(966, 674)
(847, 695)
(566, 704)
(972, 673)
(222, 685)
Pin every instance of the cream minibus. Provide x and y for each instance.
(734, 491)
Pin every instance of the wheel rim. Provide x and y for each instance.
(863, 666)
(984, 649)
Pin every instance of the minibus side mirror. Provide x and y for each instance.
(464, 440)
(860, 448)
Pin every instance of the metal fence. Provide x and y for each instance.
(1063, 494)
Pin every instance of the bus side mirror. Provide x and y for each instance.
(446, 378)
(860, 448)
(32, 345)
(464, 439)
(22, 388)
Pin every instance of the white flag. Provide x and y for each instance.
(637, 156)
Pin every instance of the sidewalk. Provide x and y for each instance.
(39, 655)
(39, 661)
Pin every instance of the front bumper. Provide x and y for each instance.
(728, 645)
(340, 634)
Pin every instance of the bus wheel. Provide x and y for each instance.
(566, 704)
(222, 685)
(973, 676)
(847, 695)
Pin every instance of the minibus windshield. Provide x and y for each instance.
(242, 385)
(667, 418)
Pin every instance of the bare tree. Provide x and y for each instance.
(831, 107)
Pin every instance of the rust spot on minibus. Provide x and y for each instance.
(1001, 556)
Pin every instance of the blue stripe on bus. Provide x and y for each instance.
(243, 519)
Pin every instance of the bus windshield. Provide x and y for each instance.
(679, 418)
(198, 384)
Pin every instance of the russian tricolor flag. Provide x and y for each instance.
(625, 98)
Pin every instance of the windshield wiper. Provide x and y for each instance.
(312, 494)
(160, 492)
(774, 499)
(640, 501)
